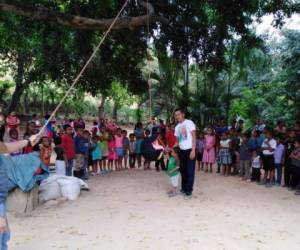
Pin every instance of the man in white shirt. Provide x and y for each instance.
(268, 148)
(185, 132)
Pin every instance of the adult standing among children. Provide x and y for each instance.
(185, 131)
(6, 148)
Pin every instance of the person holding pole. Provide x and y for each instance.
(7, 148)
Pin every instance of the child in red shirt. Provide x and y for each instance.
(68, 145)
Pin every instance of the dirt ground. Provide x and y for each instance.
(130, 210)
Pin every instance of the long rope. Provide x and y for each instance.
(148, 63)
(84, 67)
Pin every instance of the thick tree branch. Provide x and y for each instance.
(79, 22)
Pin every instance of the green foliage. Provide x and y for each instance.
(230, 64)
(289, 50)
(138, 115)
(271, 90)
(120, 95)
(5, 87)
(82, 108)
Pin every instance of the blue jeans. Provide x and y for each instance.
(69, 167)
(278, 167)
(4, 238)
(187, 170)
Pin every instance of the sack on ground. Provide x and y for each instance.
(49, 190)
(57, 186)
(70, 188)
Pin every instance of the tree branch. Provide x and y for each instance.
(79, 22)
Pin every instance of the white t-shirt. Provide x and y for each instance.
(183, 132)
(273, 145)
(225, 143)
(256, 162)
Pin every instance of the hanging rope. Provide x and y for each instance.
(84, 67)
(148, 63)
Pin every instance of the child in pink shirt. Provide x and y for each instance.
(209, 155)
(112, 155)
(119, 148)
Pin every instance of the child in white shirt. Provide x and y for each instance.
(256, 164)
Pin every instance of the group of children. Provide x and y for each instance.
(103, 150)
(234, 152)
(247, 154)
(108, 148)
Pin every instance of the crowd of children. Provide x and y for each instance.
(78, 151)
(264, 155)
(267, 156)
(95, 152)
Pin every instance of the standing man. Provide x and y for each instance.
(6, 148)
(185, 131)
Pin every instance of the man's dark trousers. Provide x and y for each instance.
(187, 170)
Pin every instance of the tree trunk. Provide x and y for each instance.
(52, 97)
(42, 99)
(20, 86)
(205, 96)
(115, 112)
(15, 98)
(139, 113)
(186, 83)
(228, 97)
(26, 103)
(101, 107)
(229, 85)
(79, 22)
(214, 98)
(297, 105)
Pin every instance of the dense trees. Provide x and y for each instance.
(43, 42)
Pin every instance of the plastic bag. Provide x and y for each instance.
(49, 190)
(70, 188)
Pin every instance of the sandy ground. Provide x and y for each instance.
(130, 210)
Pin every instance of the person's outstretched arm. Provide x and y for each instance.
(7, 148)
